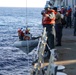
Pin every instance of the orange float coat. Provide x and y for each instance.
(46, 19)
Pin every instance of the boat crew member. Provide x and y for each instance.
(20, 34)
(68, 15)
(48, 21)
(27, 35)
(58, 26)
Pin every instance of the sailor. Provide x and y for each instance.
(68, 15)
(27, 31)
(27, 34)
(48, 21)
(20, 34)
(58, 26)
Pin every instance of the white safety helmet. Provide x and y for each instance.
(47, 6)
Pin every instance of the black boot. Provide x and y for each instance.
(58, 45)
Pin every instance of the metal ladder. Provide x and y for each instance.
(51, 68)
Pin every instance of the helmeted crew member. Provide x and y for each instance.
(20, 34)
(48, 21)
(27, 35)
(27, 31)
(68, 15)
(58, 26)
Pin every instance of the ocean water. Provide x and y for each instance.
(14, 61)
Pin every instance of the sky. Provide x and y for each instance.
(22, 3)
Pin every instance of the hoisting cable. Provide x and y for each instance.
(27, 40)
(27, 27)
(26, 13)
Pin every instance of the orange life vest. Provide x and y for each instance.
(20, 33)
(26, 38)
(68, 12)
(47, 20)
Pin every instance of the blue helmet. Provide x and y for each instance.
(68, 7)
